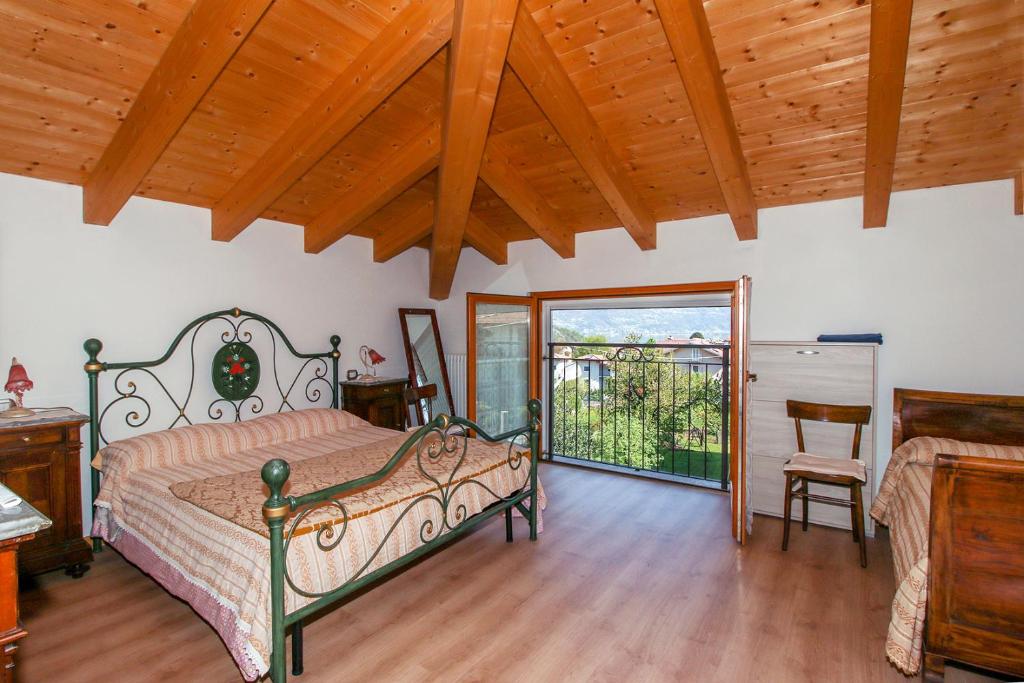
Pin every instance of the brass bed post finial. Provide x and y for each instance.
(93, 367)
(335, 358)
(275, 475)
(533, 406)
(236, 312)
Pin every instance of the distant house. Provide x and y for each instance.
(699, 354)
(594, 368)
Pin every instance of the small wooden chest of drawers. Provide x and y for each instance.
(380, 403)
(40, 462)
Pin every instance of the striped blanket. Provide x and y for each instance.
(207, 544)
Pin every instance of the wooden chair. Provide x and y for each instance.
(804, 467)
(413, 398)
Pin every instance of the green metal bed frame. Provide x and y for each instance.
(437, 449)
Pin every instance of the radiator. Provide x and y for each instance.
(456, 363)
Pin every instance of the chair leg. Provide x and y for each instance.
(803, 490)
(859, 508)
(788, 505)
(853, 515)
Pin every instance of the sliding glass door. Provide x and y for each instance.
(499, 367)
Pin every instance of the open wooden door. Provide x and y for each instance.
(739, 393)
(501, 362)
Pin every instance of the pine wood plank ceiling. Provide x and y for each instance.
(338, 115)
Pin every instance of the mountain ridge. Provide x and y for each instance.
(714, 322)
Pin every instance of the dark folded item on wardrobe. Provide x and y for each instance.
(873, 338)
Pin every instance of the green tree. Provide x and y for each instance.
(650, 413)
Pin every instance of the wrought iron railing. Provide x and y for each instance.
(660, 408)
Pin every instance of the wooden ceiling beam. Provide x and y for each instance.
(689, 36)
(887, 67)
(374, 190)
(209, 37)
(501, 176)
(485, 240)
(405, 233)
(479, 45)
(410, 231)
(538, 67)
(402, 47)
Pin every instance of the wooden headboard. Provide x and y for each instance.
(977, 418)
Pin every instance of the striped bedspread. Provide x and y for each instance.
(903, 504)
(215, 555)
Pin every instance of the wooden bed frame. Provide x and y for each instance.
(975, 611)
(441, 443)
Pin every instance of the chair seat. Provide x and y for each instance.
(834, 467)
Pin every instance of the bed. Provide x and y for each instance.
(260, 523)
(952, 499)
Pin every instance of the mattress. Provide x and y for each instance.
(184, 505)
(904, 504)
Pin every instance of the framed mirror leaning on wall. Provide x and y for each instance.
(425, 356)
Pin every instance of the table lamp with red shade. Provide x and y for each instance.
(17, 383)
(370, 359)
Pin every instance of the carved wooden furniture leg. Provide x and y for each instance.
(934, 669)
(77, 570)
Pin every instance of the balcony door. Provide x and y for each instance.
(501, 358)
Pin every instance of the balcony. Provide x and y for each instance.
(652, 408)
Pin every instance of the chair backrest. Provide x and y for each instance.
(415, 397)
(825, 412)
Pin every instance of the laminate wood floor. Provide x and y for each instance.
(632, 580)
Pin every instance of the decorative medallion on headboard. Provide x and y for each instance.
(173, 389)
(236, 371)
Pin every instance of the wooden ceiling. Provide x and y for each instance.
(451, 123)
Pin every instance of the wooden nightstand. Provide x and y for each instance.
(39, 460)
(379, 403)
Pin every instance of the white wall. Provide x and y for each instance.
(943, 282)
(135, 284)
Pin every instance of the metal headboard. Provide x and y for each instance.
(237, 334)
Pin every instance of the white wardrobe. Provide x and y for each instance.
(821, 373)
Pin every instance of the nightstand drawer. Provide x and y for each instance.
(25, 438)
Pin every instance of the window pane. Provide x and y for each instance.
(502, 366)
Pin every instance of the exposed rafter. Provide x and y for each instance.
(537, 66)
(212, 32)
(405, 233)
(689, 36)
(480, 38)
(481, 237)
(402, 47)
(416, 225)
(499, 174)
(887, 67)
(394, 176)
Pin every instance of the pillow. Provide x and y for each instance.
(201, 442)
